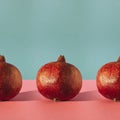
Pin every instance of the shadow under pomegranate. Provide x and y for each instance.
(34, 96)
(27, 96)
(87, 96)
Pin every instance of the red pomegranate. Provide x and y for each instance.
(59, 80)
(10, 80)
(108, 80)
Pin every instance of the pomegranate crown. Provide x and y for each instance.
(2, 58)
(61, 58)
(118, 60)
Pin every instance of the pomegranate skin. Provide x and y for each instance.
(59, 80)
(108, 80)
(10, 80)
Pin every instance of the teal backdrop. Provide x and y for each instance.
(35, 32)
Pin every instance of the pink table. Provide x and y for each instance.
(87, 105)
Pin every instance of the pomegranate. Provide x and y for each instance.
(59, 80)
(10, 80)
(108, 80)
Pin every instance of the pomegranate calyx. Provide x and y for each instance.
(118, 60)
(61, 58)
(2, 58)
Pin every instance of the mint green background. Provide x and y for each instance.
(34, 32)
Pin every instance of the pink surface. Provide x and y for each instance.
(87, 105)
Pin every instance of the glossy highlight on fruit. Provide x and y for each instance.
(10, 80)
(59, 80)
(108, 80)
